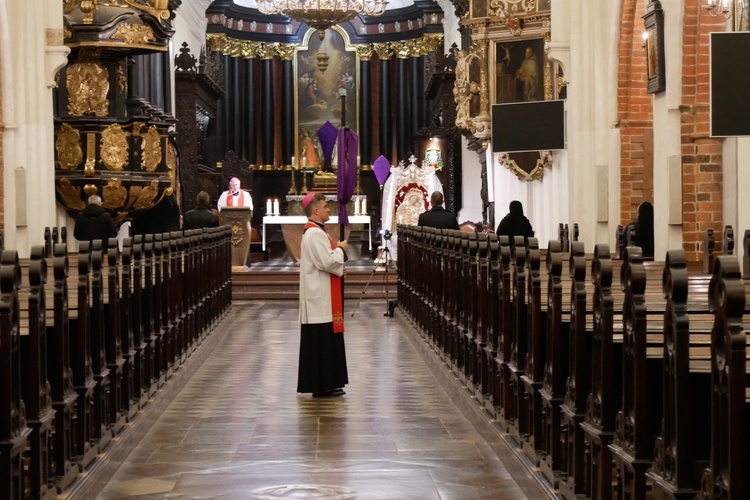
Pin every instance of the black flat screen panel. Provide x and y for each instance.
(528, 126)
(730, 84)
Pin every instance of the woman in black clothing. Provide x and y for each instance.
(515, 223)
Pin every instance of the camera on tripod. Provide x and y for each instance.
(386, 234)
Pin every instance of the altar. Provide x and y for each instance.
(292, 227)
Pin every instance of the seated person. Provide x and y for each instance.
(515, 223)
(94, 223)
(644, 230)
(201, 216)
(437, 216)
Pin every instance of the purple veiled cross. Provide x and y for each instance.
(382, 169)
(327, 136)
(346, 175)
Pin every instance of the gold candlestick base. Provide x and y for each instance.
(304, 183)
(293, 188)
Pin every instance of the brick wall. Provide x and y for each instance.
(635, 115)
(701, 155)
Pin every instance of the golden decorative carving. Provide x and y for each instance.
(88, 7)
(151, 149)
(69, 150)
(286, 51)
(238, 233)
(171, 157)
(145, 196)
(463, 89)
(90, 189)
(114, 147)
(67, 33)
(266, 50)
(365, 52)
(383, 50)
(114, 194)
(402, 48)
(71, 195)
(87, 84)
(89, 169)
(134, 34)
(122, 82)
(216, 43)
(434, 42)
(536, 174)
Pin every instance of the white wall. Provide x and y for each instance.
(471, 187)
(582, 185)
(32, 51)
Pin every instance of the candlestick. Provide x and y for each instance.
(276, 206)
(268, 207)
(293, 188)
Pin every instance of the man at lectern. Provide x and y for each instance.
(235, 197)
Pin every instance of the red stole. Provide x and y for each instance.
(240, 199)
(337, 301)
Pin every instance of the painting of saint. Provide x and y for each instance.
(519, 71)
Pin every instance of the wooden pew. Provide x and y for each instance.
(86, 442)
(13, 429)
(728, 474)
(117, 413)
(505, 338)
(681, 452)
(578, 385)
(63, 395)
(555, 368)
(35, 388)
(533, 377)
(519, 425)
(602, 403)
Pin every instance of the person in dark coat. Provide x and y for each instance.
(515, 223)
(94, 222)
(437, 216)
(201, 216)
(644, 229)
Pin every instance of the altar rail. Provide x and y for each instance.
(79, 358)
(628, 384)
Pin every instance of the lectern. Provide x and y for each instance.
(239, 218)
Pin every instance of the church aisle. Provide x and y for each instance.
(239, 430)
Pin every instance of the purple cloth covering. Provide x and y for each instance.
(346, 175)
(382, 169)
(327, 136)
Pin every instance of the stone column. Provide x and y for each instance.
(286, 54)
(266, 54)
(386, 123)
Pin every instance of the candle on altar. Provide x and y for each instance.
(356, 206)
(358, 160)
(363, 207)
(292, 161)
(268, 207)
(276, 206)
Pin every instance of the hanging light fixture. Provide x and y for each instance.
(717, 7)
(322, 14)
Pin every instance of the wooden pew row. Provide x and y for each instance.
(81, 361)
(655, 311)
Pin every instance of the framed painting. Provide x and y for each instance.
(741, 15)
(325, 68)
(520, 68)
(654, 45)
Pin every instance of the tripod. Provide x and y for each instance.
(386, 256)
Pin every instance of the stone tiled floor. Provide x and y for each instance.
(239, 430)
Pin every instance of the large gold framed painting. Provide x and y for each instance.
(326, 69)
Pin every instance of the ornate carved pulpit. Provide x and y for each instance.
(239, 219)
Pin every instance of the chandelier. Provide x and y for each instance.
(322, 14)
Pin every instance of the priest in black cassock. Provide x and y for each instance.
(322, 356)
